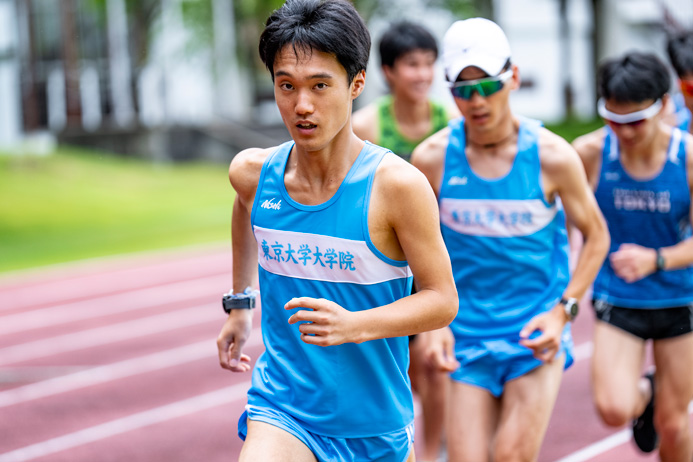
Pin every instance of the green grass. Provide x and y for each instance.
(78, 204)
(571, 129)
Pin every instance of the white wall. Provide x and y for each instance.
(187, 86)
(533, 30)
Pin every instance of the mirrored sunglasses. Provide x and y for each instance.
(632, 119)
(485, 87)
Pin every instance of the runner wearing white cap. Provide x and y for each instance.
(505, 185)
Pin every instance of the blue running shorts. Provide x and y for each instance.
(489, 364)
(391, 447)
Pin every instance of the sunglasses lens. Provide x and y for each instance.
(483, 87)
(463, 92)
(629, 124)
(490, 87)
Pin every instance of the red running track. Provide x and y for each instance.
(113, 360)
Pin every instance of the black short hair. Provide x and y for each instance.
(680, 51)
(634, 77)
(403, 37)
(329, 26)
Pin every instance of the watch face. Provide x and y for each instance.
(571, 307)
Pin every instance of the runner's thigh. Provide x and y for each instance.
(472, 416)
(526, 407)
(617, 362)
(674, 363)
(266, 442)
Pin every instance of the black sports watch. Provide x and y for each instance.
(660, 260)
(243, 301)
(570, 306)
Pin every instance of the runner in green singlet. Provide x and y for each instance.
(399, 121)
(402, 119)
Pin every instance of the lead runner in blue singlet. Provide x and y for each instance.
(505, 185)
(335, 228)
(642, 172)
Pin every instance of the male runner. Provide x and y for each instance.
(317, 217)
(642, 172)
(499, 178)
(402, 119)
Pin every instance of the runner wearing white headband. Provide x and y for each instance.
(631, 117)
(642, 172)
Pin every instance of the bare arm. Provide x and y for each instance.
(565, 177)
(408, 228)
(429, 158)
(244, 174)
(681, 255)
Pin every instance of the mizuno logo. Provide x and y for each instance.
(457, 180)
(612, 176)
(271, 205)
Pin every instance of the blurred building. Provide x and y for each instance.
(138, 77)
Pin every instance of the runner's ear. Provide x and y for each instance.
(358, 84)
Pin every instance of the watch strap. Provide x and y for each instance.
(243, 301)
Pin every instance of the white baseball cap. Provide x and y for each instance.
(474, 42)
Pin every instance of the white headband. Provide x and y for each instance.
(631, 116)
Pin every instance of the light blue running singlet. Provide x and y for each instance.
(508, 246)
(652, 213)
(325, 251)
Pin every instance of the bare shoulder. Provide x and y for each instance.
(431, 151)
(364, 122)
(396, 178)
(590, 145)
(557, 155)
(245, 169)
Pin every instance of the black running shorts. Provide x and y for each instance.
(647, 324)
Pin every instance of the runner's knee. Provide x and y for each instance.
(671, 427)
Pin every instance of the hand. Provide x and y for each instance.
(632, 262)
(439, 347)
(550, 325)
(232, 337)
(325, 322)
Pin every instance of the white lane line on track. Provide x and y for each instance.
(112, 304)
(583, 351)
(96, 276)
(109, 334)
(118, 370)
(129, 423)
(153, 416)
(144, 364)
(604, 445)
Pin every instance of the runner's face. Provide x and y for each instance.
(313, 96)
(411, 76)
(637, 132)
(485, 112)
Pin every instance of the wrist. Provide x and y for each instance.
(660, 261)
(239, 301)
(569, 307)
